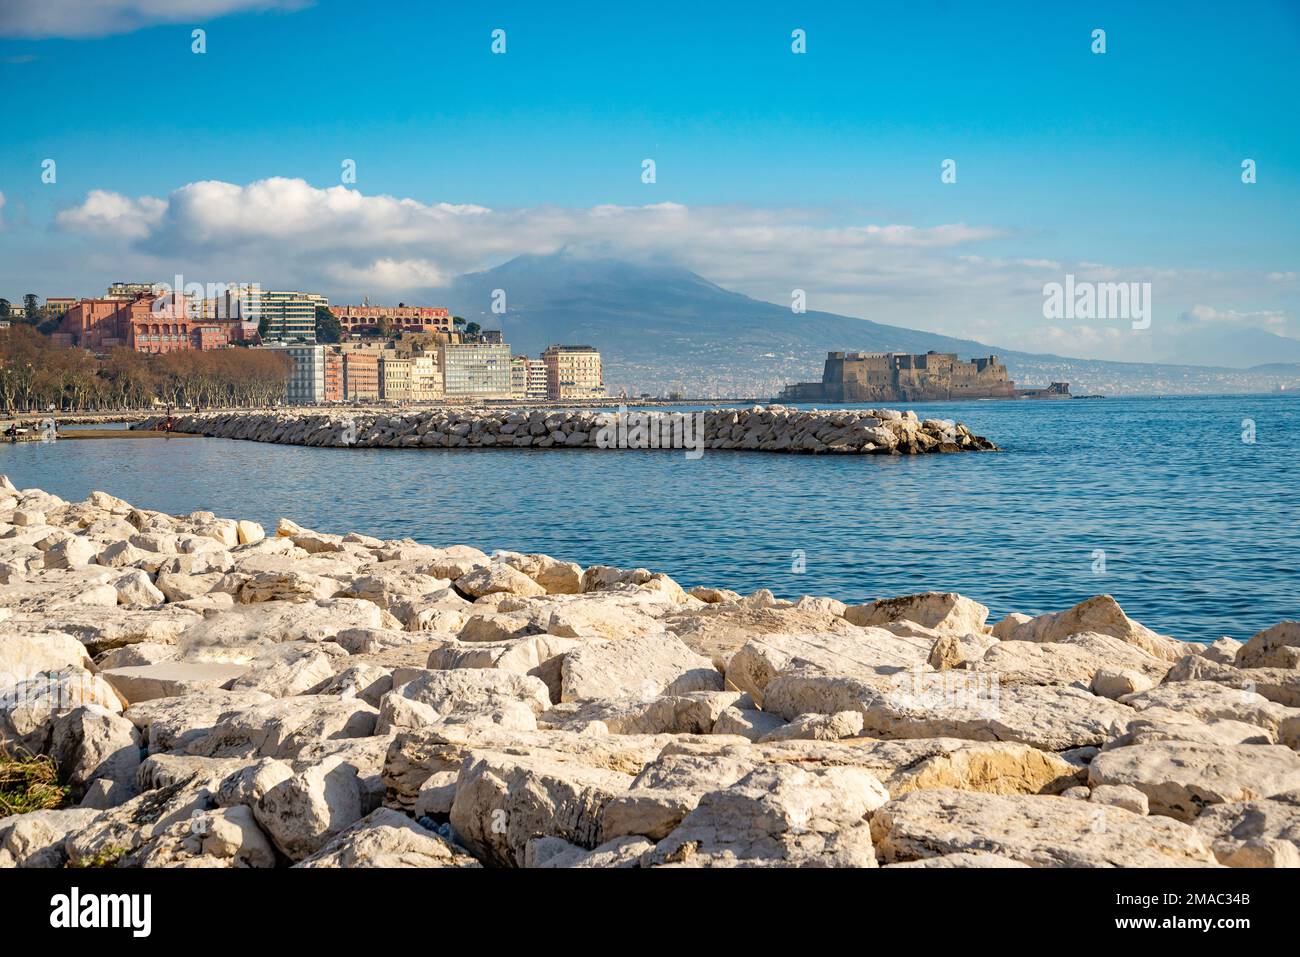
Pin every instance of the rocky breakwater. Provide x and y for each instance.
(213, 696)
(758, 429)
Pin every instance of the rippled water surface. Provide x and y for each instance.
(1199, 528)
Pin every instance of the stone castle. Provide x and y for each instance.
(898, 377)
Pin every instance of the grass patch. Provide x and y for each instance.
(106, 857)
(29, 783)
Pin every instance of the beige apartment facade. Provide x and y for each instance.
(395, 378)
(573, 372)
(426, 378)
(519, 377)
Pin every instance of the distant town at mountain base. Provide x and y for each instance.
(663, 329)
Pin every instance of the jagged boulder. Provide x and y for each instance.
(1038, 831)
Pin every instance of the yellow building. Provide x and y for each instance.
(395, 378)
(573, 372)
(426, 378)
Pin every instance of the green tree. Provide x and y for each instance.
(6, 308)
(30, 307)
(473, 329)
(328, 328)
(385, 327)
(457, 322)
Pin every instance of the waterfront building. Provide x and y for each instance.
(519, 377)
(360, 376)
(475, 370)
(148, 323)
(333, 374)
(357, 320)
(307, 381)
(573, 372)
(539, 381)
(395, 378)
(288, 316)
(426, 378)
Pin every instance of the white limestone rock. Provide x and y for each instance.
(496, 578)
(964, 705)
(1206, 700)
(1041, 831)
(1254, 833)
(749, 723)
(174, 722)
(503, 801)
(30, 653)
(1120, 795)
(36, 839)
(1275, 647)
(1114, 683)
(137, 683)
(1168, 724)
(966, 859)
(1101, 614)
(305, 810)
(1223, 651)
(869, 655)
(219, 837)
(136, 589)
(476, 690)
(817, 727)
(385, 838)
(365, 681)
(639, 666)
(30, 706)
(276, 621)
(284, 670)
(554, 853)
(283, 727)
(779, 816)
(1280, 685)
(1182, 778)
(945, 612)
(91, 744)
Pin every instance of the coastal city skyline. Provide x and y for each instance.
(849, 436)
(818, 163)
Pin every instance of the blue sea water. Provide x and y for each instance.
(1198, 527)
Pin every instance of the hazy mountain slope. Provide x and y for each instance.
(663, 328)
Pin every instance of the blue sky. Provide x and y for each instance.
(1127, 163)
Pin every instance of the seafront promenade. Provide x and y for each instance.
(205, 694)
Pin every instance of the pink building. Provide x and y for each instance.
(148, 323)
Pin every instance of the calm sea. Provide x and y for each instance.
(1159, 502)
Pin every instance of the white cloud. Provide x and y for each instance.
(286, 233)
(36, 19)
(391, 275)
(109, 215)
(1271, 319)
(344, 236)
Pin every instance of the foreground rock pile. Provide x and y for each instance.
(760, 429)
(216, 697)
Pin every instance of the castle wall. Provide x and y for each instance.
(852, 377)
